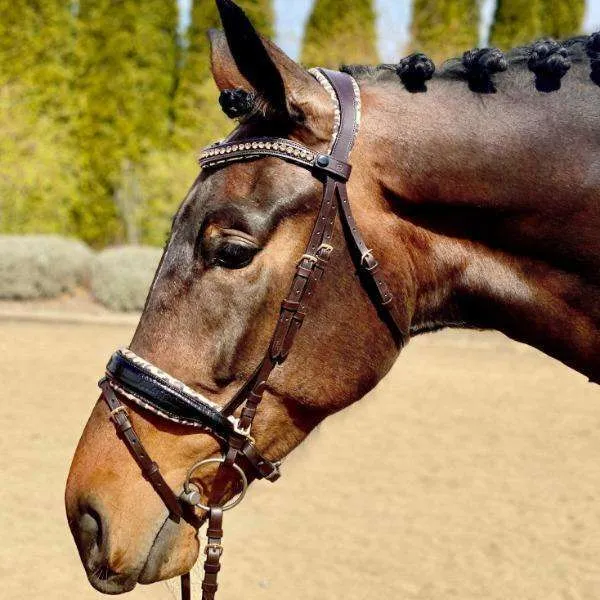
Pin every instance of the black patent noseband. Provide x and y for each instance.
(131, 378)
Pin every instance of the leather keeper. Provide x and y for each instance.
(214, 532)
(290, 305)
(303, 271)
(299, 316)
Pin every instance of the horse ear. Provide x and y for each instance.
(242, 58)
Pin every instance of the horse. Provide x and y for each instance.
(478, 189)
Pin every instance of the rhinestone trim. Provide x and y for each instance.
(235, 151)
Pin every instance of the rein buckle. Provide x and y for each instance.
(115, 411)
(214, 546)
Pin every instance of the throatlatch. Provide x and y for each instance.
(136, 381)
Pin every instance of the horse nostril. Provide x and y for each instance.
(91, 533)
(92, 536)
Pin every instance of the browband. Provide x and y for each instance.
(223, 153)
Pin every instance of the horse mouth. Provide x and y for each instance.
(173, 552)
(107, 581)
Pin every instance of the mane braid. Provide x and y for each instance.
(237, 103)
(592, 48)
(414, 71)
(550, 62)
(480, 65)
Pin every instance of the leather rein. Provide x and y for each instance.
(132, 379)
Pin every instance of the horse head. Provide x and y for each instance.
(236, 242)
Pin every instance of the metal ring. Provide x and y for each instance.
(232, 503)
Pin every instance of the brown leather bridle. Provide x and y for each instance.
(131, 378)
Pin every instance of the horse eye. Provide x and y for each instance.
(234, 253)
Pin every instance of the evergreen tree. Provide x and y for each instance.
(516, 23)
(340, 32)
(561, 19)
(445, 28)
(126, 57)
(36, 49)
(198, 117)
(520, 22)
(37, 174)
(38, 177)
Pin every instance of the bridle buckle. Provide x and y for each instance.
(243, 431)
(214, 546)
(368, 253)
(276, 474)
(115, 411)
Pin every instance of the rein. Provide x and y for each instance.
(136, 381)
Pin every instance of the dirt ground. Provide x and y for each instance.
(471, 472)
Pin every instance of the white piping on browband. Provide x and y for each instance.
(316, 73)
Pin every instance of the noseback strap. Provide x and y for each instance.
(158, 392)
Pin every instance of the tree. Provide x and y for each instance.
(36, 50)
(340, 32)
(37, 174)
(198, 118)
(445, 28)
(126, 54)
(516, 23)
(561, 19)
(38, 179)
(520, 22)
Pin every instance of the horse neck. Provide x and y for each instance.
(495, 230)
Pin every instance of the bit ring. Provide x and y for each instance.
(221, 460)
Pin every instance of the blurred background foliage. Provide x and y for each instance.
(337, 34)
(104, 102)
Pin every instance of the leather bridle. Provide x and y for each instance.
(130, 378)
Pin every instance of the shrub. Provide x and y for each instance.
(122, 276)
(41, 266)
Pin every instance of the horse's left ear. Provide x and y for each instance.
(242, 58)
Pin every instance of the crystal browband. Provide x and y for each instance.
(252, 148)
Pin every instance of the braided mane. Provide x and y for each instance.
(548, 60)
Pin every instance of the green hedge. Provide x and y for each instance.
(41, 266)
(122, 276)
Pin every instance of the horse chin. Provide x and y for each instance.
(174, 552)
(112, 584)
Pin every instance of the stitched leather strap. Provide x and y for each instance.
(149, 468)
(312, 264)
(186, 587)
(213, 551)
(369, 268)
